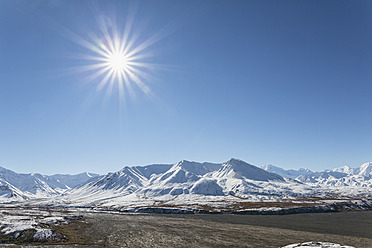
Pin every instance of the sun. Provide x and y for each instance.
(117, 61)
(119, 55)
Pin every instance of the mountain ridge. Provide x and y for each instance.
(35, 185)
(342, 176)
(186, 181)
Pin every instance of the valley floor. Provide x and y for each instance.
(161, 230)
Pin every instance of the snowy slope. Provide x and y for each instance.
(235, 168)
(119, 184)
(148, 181)
(244, 180)
(9, 192)
(152, 170)
(184, 172)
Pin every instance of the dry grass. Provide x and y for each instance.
(74, 232)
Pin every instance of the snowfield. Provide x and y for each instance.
(32, 225)
(317, 245)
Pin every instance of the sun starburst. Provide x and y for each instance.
(117, 61)
(118, 55)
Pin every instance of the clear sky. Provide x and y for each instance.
(282, 82)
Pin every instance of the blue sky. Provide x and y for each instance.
(282, 82)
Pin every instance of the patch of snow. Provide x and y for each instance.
(43, 234)
(317, 245)
(52, 220)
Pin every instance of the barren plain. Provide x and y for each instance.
(111, 229)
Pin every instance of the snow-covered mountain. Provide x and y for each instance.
(345, 169)
(34, 185)
(8, 191)
(31, 184)
(286, 173)
(184, 181)
(238, 169)
(73, 180)
(345, 180)
(149, 181)
(187, 183)
(184, 177)
(179, 178)
(365, 169)
(239, 178)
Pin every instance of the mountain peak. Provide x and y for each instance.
(236, 161)
(368, 164)
(365, 169)
(239, 169)
(344, 169)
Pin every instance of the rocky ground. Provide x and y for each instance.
(159, 230)
(209, 231)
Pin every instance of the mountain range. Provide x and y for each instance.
(185, 183)
(35, 185)
(344, 176)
